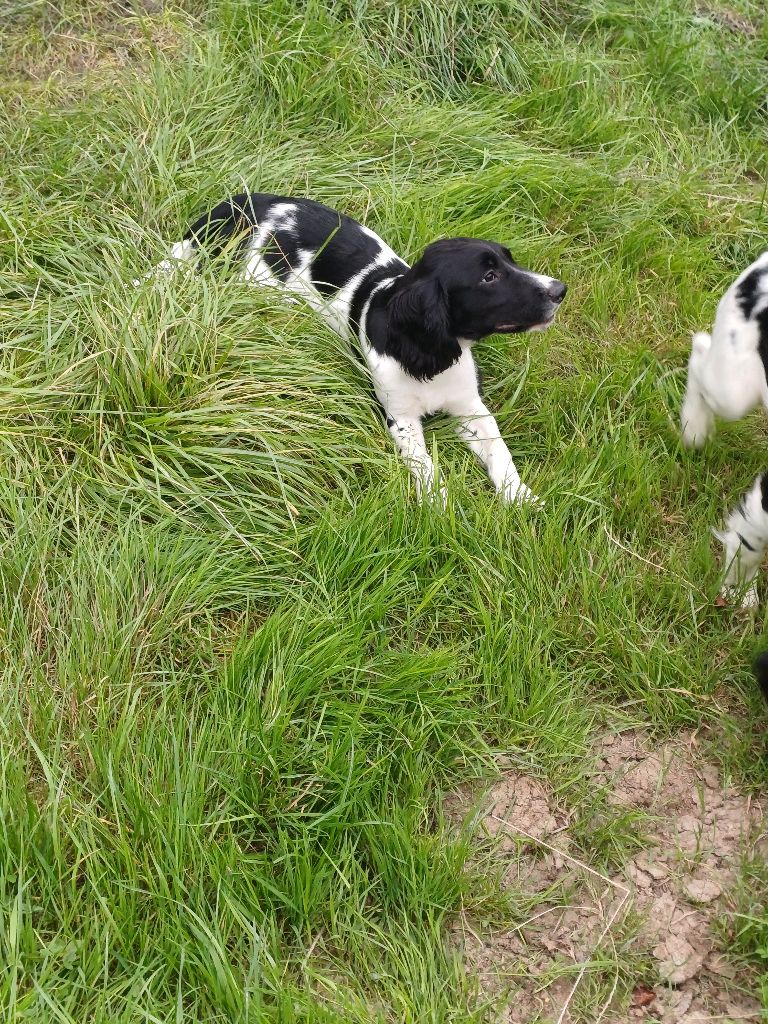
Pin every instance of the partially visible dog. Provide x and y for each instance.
(415, 325)
(728, 377)
(760, 668)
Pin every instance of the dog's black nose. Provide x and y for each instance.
(557, 291)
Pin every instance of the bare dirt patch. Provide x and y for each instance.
(727, 18)
(69, 57)
(655, 917)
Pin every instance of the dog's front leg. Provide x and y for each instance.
(479, 430)
(696, 417)
(409, 438)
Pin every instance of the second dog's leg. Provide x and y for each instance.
(696, 417)
(744, 541)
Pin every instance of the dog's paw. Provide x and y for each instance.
(697, 421)
(436, 496)
(520, 494)
(750, 600)
(747, 599)
(695, 434)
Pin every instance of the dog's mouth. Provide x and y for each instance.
(542, 325)
(518, 328)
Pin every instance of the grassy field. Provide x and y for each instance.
(240, 666)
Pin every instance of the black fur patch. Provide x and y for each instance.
(360, 297)
(341, 257)
(764, 491)
(418, 334)
(235, 216)
(762, 341)
(747, 296)
(760, 668)
(748, 292)
(281, 254)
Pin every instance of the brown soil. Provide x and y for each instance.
(661, 908)
(727, 18)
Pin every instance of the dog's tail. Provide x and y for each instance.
(760, 668)
(230, 221)
(227, 224)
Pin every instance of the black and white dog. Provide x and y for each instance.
(415, 325)
(728, 377)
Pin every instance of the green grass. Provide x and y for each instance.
(745, 927)
(239, 664)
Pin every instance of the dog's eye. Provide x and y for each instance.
(490, 276)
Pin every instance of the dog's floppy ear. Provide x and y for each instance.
(419, 328)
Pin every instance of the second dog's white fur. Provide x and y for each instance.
(727, 378)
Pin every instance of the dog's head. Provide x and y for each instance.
(463, 289)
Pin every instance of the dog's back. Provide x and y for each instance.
(281, 237)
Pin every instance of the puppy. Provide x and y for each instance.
(416, 326)
(727, 378)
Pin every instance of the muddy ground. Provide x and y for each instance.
(638, 944)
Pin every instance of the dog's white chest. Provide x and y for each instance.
(401, 394)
